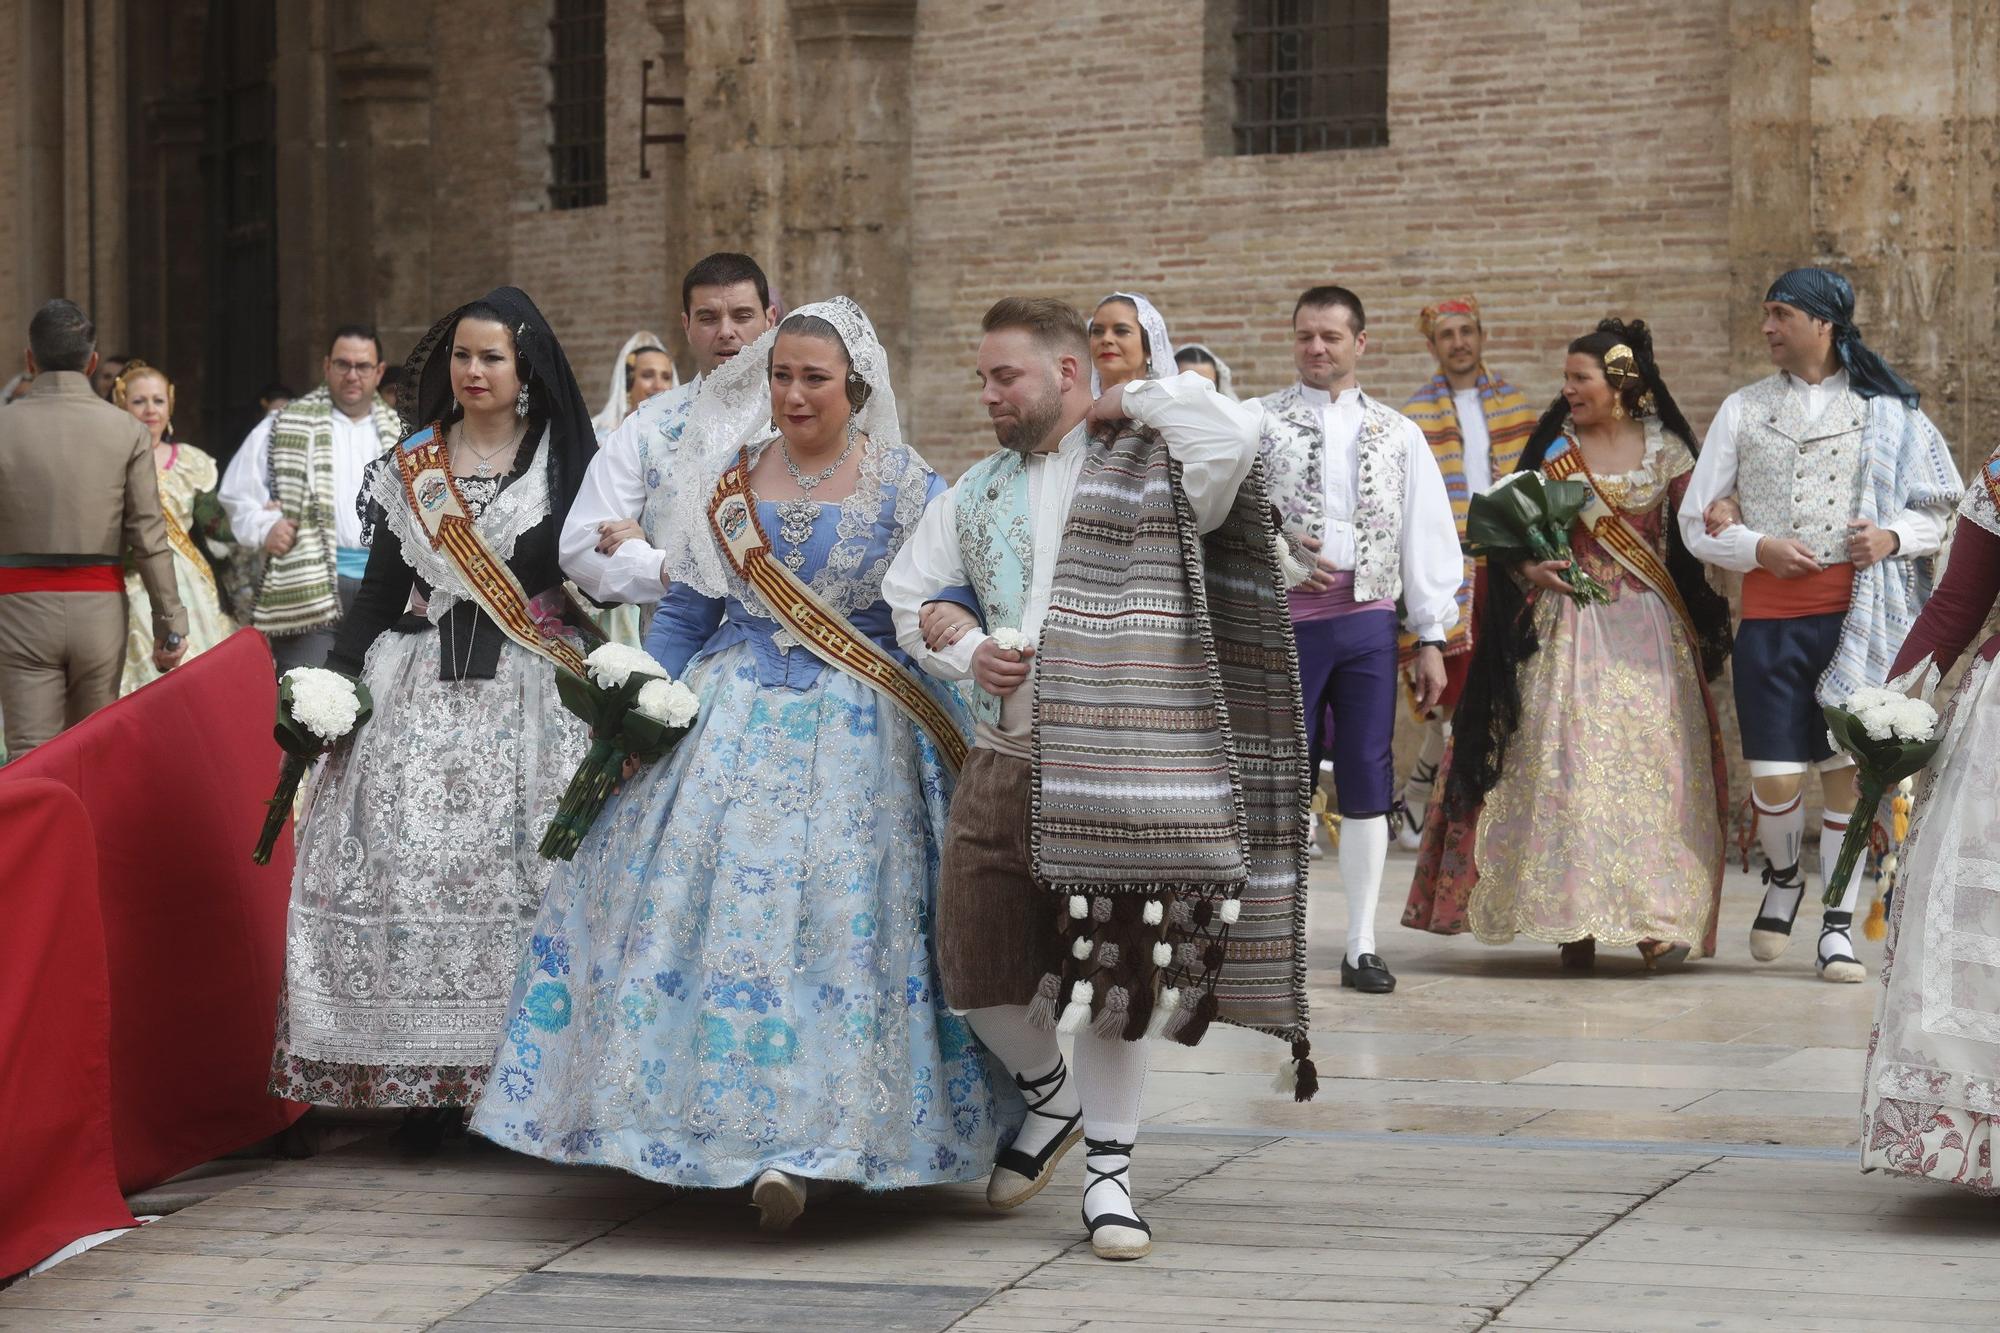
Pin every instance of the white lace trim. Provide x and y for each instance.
(514, 511)
(1977, 504)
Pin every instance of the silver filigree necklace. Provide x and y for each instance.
(796, 518)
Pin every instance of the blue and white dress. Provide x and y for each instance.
(735, 973)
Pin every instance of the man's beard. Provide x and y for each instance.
(1025, 433)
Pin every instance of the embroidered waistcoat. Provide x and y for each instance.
(1796, 478)
(996, 541)
(1293, 446)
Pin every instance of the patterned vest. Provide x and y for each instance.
(1796, 478)
(1293, 446)
(996, 541)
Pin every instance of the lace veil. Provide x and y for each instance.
(733, 410)
(614, 411)
(1159, 347)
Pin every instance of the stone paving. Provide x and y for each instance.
(1496, 1146)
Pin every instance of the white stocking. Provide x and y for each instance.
(1364, 847)
(1780, 831)
(1111, 1077)
(1030, 1055)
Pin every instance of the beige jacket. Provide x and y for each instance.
(77, 479)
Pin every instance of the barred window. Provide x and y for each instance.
(576, 104)
(1311, 75)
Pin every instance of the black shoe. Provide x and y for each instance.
(1019, 1176)
(1368, 974)
(1770, 934)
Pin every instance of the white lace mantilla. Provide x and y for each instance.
(514, 511)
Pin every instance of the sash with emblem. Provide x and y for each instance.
(1620, 538)
(424, 465)
(732, 517)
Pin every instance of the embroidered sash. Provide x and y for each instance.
(732, 517)
(424, 466)
(180, 540)
(1619, 537)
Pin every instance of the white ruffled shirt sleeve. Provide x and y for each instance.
(243, 493)
(1714, 478)
(1213, 439)
(929, 562)
(614, 487)
(1433, 565)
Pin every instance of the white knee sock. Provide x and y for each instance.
(1364, 847)
(1111, 1077)
(1423, 778)
(1832, 832)
(1030, 1054)
(1780, 830)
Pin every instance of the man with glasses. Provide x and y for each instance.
(291, 490)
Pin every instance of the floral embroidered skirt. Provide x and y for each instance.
(417, 879)
(735, 973)
(1930, 1102)
(1607, 821)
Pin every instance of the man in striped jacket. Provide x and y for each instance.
(1475, 423)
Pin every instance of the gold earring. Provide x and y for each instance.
(1618, 407)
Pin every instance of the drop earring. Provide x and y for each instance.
(521, 402)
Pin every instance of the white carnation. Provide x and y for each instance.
(323, 702)
(1510, 479)
(612, 664)
(668, 702)
(1009, 639)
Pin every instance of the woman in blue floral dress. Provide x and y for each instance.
(732, 982)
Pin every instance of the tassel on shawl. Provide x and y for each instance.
(1077, 1012)
(1298, 1076)
(1042, 1009)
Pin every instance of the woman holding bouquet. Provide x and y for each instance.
(732, 980)
(1930, 1104)
(1588, 799)
(417, 868)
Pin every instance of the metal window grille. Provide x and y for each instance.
(1311, 75)
(576, 104)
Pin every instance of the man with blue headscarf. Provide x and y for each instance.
(1842, 491)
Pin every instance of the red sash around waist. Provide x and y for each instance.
(62, 578)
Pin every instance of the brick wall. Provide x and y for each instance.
(1576, 169)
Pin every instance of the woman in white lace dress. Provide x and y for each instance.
(417, 865)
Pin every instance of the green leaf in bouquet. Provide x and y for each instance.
(1500, 521)
(583, 698)
(1563, 501)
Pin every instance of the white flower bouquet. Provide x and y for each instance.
(316, 709)
(1009, 639)
(1892, 737)
(635, 711)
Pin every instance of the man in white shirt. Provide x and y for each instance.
(1001, 530)
(1475, 423)
(725, 305)
(1361, 494)
(1829, 490)
(291, 491)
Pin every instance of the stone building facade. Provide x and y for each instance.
(223, 180)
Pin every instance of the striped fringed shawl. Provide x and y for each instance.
(1170, 775)
(300, 592)
(1509, 422)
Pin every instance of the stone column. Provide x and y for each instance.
(380, 173)
(1770, 163)
(847, 200)
(738, 74)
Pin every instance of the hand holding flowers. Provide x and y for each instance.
(317, 709)
(1526, 518)
(636, 714)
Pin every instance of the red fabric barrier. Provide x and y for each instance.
(57, 1177)
(173, 778)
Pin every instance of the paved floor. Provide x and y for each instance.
(1496, 1146)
